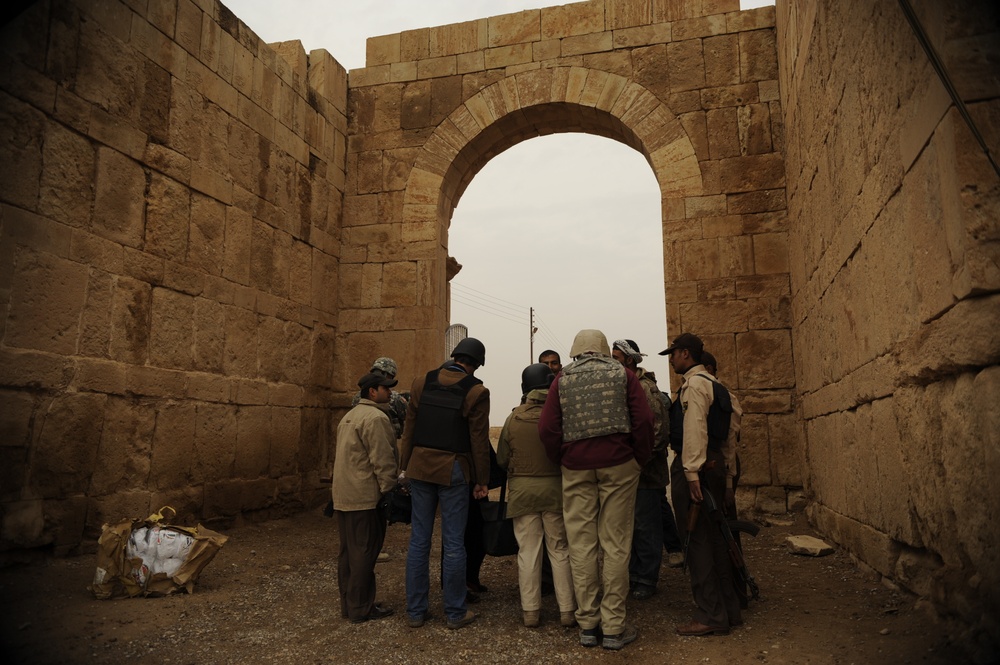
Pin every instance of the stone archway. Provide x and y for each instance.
(688, 94)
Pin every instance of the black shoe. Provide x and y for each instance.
(590, 637)
(476, 587)
(643, 592)
(378, 612)
(471, 598)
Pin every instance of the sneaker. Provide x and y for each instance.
(417, 622)
(589, 637)
(567, 619)
(675, 559)
(469, 617)
(616, 642)
(532, 619)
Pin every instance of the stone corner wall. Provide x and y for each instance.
(170, 216)
(894, 217)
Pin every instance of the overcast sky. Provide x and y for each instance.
(568, 224)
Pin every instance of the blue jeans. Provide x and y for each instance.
(647, 538)
(454, 501)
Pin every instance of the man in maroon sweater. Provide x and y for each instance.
(597, 425)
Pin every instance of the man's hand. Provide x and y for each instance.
(694, 487)
(480, 491)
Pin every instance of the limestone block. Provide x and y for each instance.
(753, 172)
(762, 286)
(770, 313)
(131, 305)
(119, 198)
(808, 546)
(240, 357)
(208, 387)
(754, 450)
(95, 319)
(214, 442)
(642, 35)
(686, 65)
(770, 253)
(757, 202)
(580, 18)
(765, 401)
(171, 328)
(628, 13)
(285, 440)
(765, 222)
(786, 439)
(516, 28)
(723, 134)
(96, 252)
(590, 43)
(772, 500)
(698, 26)
(68, 171)
(697, 130)
(754, 122)
(723, 347)
(705, 318)
(223, 498)
(695, 259)
(173, 445)
(271, 352)
(735, 254)
(46, 298)
(399, 284)
(447, 40)
(63, 458)
(717, 289)
(209, 335)
(722, 60)
(758, 55)
(728, 95)
(123, 458)
(414, 44)
(765, 359)
(206, 248)
(250, 392)
(325, 275)
(16, 409)
(871, 546)
(168, 209)
(962, 337)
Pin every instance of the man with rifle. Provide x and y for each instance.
(699, 430)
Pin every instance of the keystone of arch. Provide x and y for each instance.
(608, 104)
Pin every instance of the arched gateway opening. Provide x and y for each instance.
(529, 105)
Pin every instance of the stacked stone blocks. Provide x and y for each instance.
(170, 239)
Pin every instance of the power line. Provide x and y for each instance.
(487, 295)
(486, 311)
(491, 303)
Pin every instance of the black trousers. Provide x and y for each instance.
(709, 564)
(361, 534)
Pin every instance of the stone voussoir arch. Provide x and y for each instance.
(535, 103)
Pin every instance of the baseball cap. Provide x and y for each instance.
(684, 341)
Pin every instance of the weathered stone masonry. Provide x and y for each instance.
(204, 239)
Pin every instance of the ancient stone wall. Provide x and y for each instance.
(894, 253)
(170, 211)
(691, 85)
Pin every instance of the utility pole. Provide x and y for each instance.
(533, 329)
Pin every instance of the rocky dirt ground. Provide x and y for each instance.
(270, 596)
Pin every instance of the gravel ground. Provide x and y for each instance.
(270, 596)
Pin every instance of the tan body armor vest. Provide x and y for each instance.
(593, 397)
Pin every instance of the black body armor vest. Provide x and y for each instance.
(440, 423)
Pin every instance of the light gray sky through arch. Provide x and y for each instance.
(568, 224)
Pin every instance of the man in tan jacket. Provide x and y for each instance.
(364, 470)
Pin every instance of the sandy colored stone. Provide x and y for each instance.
(808, 546)
(47, 296)
(580, 18)
(509, 29)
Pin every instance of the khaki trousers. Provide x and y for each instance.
(529, 530)
(599, 509)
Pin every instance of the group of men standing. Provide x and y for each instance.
(604, 427)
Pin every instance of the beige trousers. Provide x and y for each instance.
(530, 530)
(599, 511)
